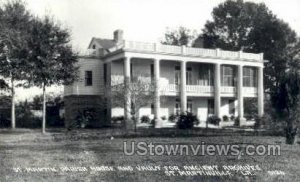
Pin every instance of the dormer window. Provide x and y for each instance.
(94, 46)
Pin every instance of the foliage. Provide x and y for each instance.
(25, 117)
(237, 121)
(52, 58)
(251, 27)
(232, 117)
(287, 102)
(163, 117)
(4, 117)
(173, 117)
(86, 118)
(14, 35)
(250, 112)
(145, 119)
(141, 93)
(179, 37)
(225, 118)
(3, 85)
(187, 121)
(117, 119)
(152, 122)
(215, 120)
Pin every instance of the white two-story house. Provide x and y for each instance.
(202, 81)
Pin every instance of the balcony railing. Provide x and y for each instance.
(169, 88)
(228, 90)
(248, 91)
(199, 89)
(183, 50)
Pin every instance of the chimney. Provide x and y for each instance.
(118, 36)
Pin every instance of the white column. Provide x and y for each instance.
(217, 88)
(157, 94)
(240, 94)
(183, 98)
(127, 103)
(260, 91)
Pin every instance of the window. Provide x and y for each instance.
(94, 46)
(189, 106)
(152, 72)
(189, 76)
(105, 73)
(177, 75)
(177, 107)
(88, 78)
(152, 108)
(210, 107)
(228, 77)
(206, 75)
(231, 107)
(249, 77)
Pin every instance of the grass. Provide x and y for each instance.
(26, 148)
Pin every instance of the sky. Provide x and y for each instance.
(141, 20)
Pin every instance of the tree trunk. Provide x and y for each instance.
(13, 111)
(44, 110)
(290, 132)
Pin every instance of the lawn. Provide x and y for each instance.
(27, 155)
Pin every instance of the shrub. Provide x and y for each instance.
(163, 117)
(173, 118)
(25, 118)
(237, 121)
(145, 119)
(290, 134)
(152, 122)
(86, 118)
(117, 119)
(214, 120)
(187, 121)
(232, 118)
(225, 118)
(5, 118)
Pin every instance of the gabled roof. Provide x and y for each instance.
(104, 43)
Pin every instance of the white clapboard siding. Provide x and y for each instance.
(78, 87)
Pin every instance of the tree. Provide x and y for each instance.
(3, 85)
(14, 21)
(287, 98)
(52, 58)
(251, 27)
(141, 93)
(288, 103)
(179, 37)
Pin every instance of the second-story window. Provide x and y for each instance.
(228, 76)
(105, 73)
(88, 78)
(249, 77)
(177, 75)
(206, 75)
(189, 76)
(152, 72)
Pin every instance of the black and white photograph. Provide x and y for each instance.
(149, 90)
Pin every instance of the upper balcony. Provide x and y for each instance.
(158, 48)
(189, 51)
